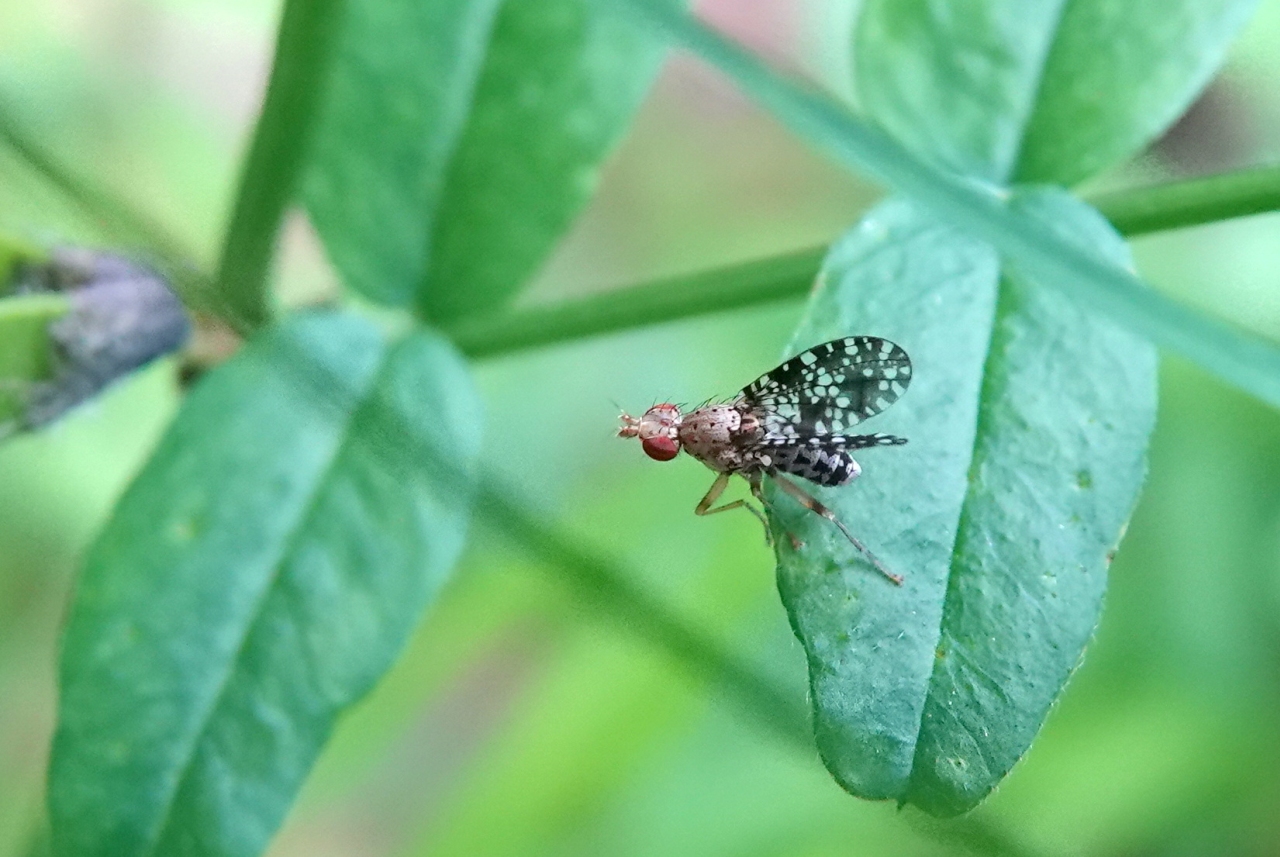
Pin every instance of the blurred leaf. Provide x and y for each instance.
(255, 581)
(462, 136)
(611, 693)
(1037, 90)
(26, 348)
(1028, 420)
(594, 716)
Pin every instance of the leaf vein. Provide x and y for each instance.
(287, 544)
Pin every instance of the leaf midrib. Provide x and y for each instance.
(1032, 108)
(985, 395)
(443, 179)
(287, 545)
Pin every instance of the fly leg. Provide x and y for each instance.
(813, 505)
(717, 488)
(753, 479)
(757, 491)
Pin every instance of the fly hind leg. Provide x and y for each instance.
(717, 488)
(812, 504)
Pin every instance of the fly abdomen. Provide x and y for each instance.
(822, 466)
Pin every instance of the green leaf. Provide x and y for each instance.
(461, 137)
(26, 349)
(1028, 419)
(256, 579)
(1036, 90)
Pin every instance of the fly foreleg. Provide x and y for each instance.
(717, 488)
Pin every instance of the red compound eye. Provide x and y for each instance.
(660, 448)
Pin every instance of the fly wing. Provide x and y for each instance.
(830, 388)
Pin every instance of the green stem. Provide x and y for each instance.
(1192, 202)
(117, 217)
(715, 290)
(607, 589)
(305, 45)
(1134, 212)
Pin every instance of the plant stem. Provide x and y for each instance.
(715, 290)
(599, 584)
(1133, 212)
(305, 44)
(1192, 202)
(116, 216)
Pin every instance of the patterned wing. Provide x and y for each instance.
(830, 388)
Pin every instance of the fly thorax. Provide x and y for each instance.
(710, 435)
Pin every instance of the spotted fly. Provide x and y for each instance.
(794, 420)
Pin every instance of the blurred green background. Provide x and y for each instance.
(520, 722)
